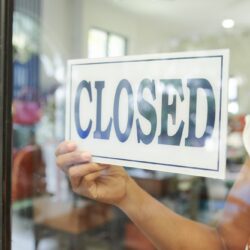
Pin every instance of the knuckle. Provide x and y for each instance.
(87, 156)
(75, 157)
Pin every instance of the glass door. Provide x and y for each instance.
(46, 213)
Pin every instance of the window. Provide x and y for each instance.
(102, 44)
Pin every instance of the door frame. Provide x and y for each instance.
(6, 20)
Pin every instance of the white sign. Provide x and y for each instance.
(164, 112)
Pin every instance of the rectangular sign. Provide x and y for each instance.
(165, 112)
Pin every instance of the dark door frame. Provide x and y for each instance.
(6, 19)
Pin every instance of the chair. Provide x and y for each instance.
(28, 174)
(50, 215)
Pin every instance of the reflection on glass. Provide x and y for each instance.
(102, 43)
(116, 46)
(46, 213)
(97, 43)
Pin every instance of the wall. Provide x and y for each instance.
(60, 29)
(143, 36)
(148, 36)
(64, 33)
(65, 25)
(238, 44)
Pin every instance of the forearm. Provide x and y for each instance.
(164, 228)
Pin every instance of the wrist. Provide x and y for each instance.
(133, 199)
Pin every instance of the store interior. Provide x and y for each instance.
(46, 214)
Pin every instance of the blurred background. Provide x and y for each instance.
(45, 213)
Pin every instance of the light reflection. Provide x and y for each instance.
(210, 145)
(233, 107)
(228, 23)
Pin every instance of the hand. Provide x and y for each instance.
(101, 182)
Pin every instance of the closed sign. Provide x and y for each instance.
(164, 112)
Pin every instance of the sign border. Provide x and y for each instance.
(220, 56)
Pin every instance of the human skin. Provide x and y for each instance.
(166, 229)
(111, 184)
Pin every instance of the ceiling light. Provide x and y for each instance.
(228, 23)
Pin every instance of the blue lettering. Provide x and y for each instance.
(170, 109)
(83, 85)
(99, 133)
(147, 110)
(194, 85)
(124, 84)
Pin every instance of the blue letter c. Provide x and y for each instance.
(82, 133)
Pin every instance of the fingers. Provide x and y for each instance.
(67, 160)
(65, 147)
(86, 172)
(93, 176)
(85, 169)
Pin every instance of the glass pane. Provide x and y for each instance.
(97, 43)
(116, 45)
(46, 212)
